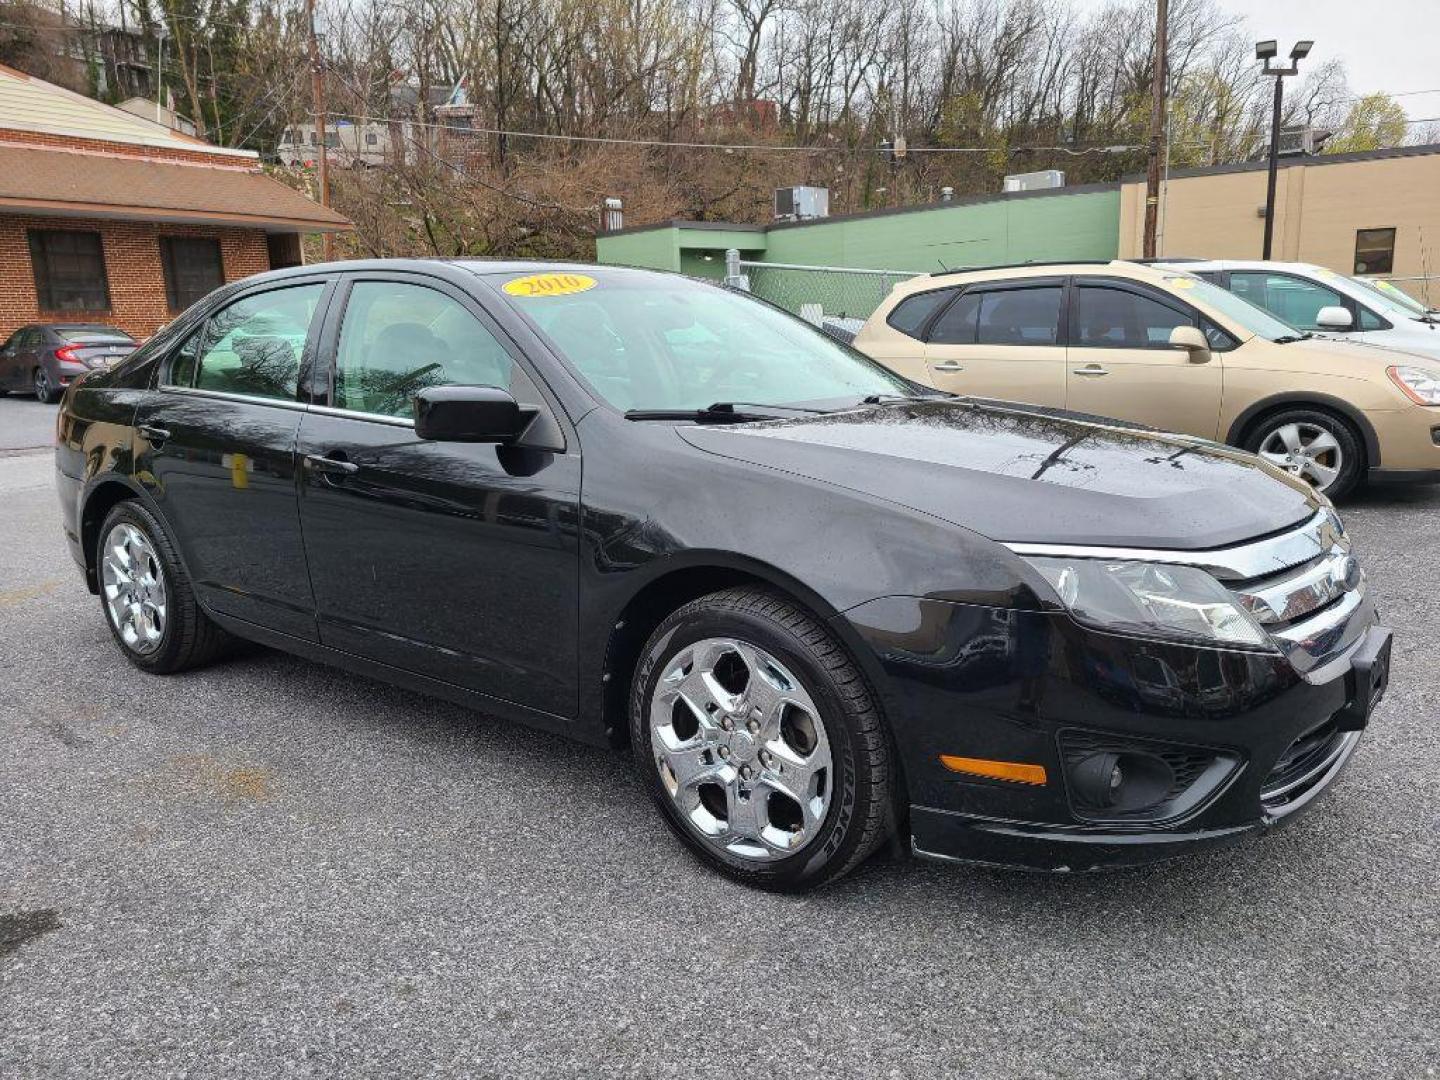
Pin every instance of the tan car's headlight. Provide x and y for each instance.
(1420, 385)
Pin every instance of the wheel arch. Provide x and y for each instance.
(677, 584)
(102, 497)
(1246, 422)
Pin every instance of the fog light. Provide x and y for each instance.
(1116, 781)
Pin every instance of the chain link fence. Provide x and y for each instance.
(835, 297)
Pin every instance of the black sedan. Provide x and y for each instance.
(828, 610)
(43, 358)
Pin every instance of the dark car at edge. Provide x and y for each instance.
(44, 358)
(828, 610)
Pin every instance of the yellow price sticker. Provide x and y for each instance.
(1183, 283)
(550, 285)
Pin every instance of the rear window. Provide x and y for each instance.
(80, 335)
(911, 314)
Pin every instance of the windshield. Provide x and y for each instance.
(649, 341)
(1395, 297)
(76, 335)
(1241, 312)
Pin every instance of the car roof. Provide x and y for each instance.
(1120, 268)
(479, 266)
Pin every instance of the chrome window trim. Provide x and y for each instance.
(225, 395)
(356, 414)
(1259, 558)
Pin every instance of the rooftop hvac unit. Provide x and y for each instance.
(1298, 141)
(801, 203)
(1035, 181)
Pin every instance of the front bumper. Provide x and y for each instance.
(1014, 686)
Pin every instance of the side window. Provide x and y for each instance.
(1291, 299)
(254, 345)
(957, 325)
(1020, 317)
(1117, 319)
(399, 338)
(1370, 321)
(181, 370)
(911, 314)
(1374, 251)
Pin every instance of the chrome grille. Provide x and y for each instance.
(1306, 606)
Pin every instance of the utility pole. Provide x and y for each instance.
(1265, 52)
(1157, 126)
(317, 88)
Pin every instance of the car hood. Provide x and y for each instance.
(1383, 347)
(1021, 475)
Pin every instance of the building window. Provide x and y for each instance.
(192, 269)
(371, 138)
(1374, 251)
(69, 270)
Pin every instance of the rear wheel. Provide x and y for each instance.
(1315, 445)
(45, 390)
(761, 742)
(146, 594)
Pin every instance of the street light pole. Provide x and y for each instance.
(1274, 167)
(1266, 51)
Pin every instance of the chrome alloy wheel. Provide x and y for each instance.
(1305, 450)
(741, 749)
(134, 588)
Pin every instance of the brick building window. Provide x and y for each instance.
(193, 269)
(69, 270)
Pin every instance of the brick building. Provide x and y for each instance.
(107, 217)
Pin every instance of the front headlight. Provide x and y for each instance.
(1420, 385)
(1151, 598)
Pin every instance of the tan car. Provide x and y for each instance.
(1165, 348)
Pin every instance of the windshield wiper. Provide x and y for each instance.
(885, 399)
(1286, 339)
(722, 412)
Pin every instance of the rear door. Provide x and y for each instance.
(215, 446)
(459, 561)
(10, 361)
(1002, 340)
(1121, 363)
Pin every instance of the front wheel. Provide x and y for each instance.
(1314, 445)
(761, 742)
(45, 391)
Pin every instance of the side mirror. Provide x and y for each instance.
(1192, 341)
(1334, 318)
(470, 414)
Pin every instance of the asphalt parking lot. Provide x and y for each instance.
(270, 868)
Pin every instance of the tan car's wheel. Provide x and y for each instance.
(1317, 446)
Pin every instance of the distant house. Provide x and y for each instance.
(111, 218)
(157, 113)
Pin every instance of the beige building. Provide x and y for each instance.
(1374, 213)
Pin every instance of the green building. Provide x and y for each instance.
(1080, 222)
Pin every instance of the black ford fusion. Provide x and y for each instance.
(827, 609)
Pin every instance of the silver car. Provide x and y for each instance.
(1313, 298)
(44, 358)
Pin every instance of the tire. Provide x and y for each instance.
(44, 392)
(765, 736)
(183, 637)
(1287, 440)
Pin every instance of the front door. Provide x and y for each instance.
(1121, 363)
(1002, 340)
(215, 447)
(454, 560)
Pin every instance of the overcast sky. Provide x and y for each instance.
(1388, 46)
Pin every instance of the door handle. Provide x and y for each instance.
(949, 365)
(330, 466)
(155, 436)
(1091, 369)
